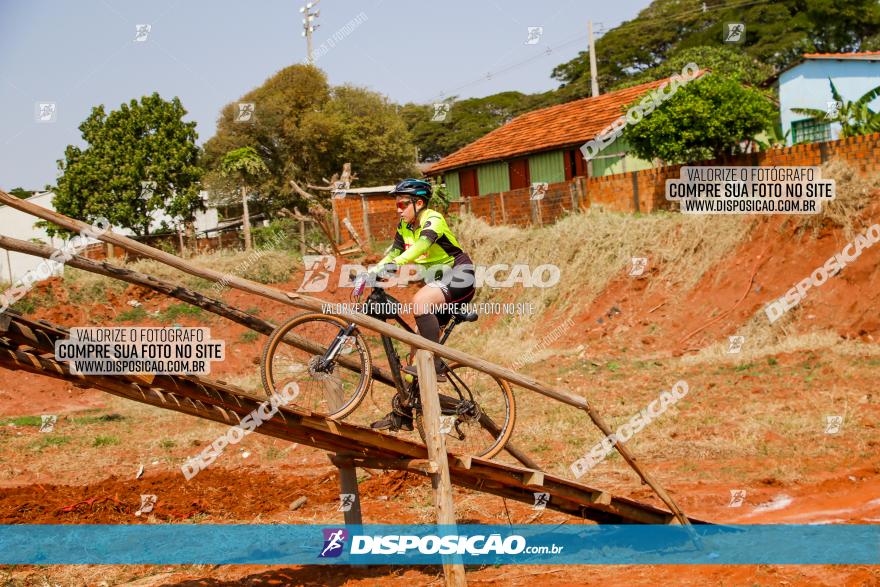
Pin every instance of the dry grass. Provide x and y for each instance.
(853, 193)
(763, 339)
(590, 250)
(272, 266)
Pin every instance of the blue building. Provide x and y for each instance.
(805, 85)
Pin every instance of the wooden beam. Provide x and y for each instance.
(423, 466)
(189, 296)
(316, 305)
(533, 478)
(435, 442)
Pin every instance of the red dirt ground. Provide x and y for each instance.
(763, 267)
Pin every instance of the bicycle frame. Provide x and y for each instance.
(407, 392)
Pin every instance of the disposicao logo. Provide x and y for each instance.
(334, 542)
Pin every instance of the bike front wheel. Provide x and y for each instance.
(478, 412)
(293, 354)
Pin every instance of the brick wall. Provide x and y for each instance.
(637, 191)
(381, 216)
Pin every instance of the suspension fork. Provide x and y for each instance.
(336, 346)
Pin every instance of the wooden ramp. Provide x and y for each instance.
(27, 345)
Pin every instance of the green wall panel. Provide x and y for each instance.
(493, 178)
(547, 167)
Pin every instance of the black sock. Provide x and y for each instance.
(429, 327)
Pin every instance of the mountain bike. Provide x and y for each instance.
(328, 358)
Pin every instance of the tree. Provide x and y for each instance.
(705, 119)
(467, 120)
(720, 60)
(304, 130)
(360, 127)
(855, 118)
(245, 166)
(20, 192)
(137, 160)
(777, 33)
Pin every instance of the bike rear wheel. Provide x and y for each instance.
(335, 390)
(480, 427)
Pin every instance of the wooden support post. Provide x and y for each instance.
(365, 247)
(302, 237)
(180, 241)
(365, 207)
(492, 209)
(503, 210)
(9, 267)
(348, 484)
(336, 230)
(582, 186)
(436, 444)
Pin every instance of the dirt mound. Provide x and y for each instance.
(214, 495)
(657, 321)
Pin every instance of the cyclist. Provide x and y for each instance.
(424, 238)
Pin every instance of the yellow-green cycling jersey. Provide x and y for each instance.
(428, 242)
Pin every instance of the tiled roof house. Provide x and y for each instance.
(542, 146)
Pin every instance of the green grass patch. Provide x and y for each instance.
(103, 440)
(167, 444)
(22, 421)
(25, 305)
(175, 311)
(273, 453)
(47, 441)
(249, 336)
(132, 315)
(98, 419)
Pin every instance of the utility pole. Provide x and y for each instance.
(309, 28)
(594, 82)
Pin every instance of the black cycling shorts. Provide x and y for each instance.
(457, 282)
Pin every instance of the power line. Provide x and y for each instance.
(624, 26)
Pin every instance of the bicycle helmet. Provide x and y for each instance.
(414, 188)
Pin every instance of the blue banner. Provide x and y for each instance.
(428, 544)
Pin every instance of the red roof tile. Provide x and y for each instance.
(570, 124)
(863, 55)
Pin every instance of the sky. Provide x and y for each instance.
(77, 55)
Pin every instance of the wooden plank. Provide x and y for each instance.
(533, 478)
(453, 571)
(424, 466)
(478, 478)
(316, 305)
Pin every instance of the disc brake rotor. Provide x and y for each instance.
(315, 373)
(468, 411)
